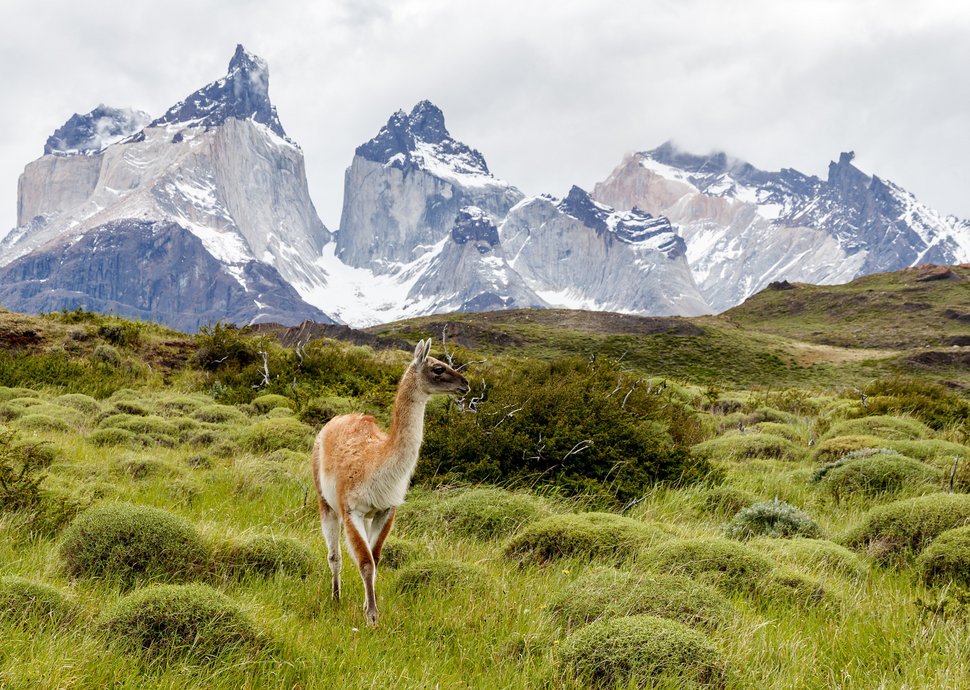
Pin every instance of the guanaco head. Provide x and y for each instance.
(434, 376)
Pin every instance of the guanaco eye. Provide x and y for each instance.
(438, 370)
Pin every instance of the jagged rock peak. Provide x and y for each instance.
(93, 132)
(472, 224)
(630, 226)
(715, 163)
(409, 139)
(242, 94)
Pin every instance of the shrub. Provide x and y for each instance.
(789, 431)
(588, 535)
(792, 587)
(23, 467)
(218, 414)
(557, 423)
(106, 355)
(635, 651)
(43, 422)
(130, 407)
(772, 519)
(24, 601)
(15, 393)
(748, 446)
(181, 404)
(947, 559)
(932, 403)
(725, 500)
(264, 555)
(193, 622)
(721, 562)
(815, 554)
(487, 513)
(608, 593)
(127, 544)
(882, 426)
(158, 429)
(440, 576)
(880, 473)
(397, 552)
(280, 412)
(145, 467)
(897, 530)
(268, 435)
(833, 449)
(80, 402)
(265, 403)
(121, 334)
(223, 347)
(113, 437)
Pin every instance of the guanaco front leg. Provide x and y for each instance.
(380, 527)
(356, 528)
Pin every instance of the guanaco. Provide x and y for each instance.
(362, 473)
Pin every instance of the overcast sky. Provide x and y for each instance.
(553, 93)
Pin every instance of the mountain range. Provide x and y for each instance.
(204, 214)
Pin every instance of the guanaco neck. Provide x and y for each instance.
(407, 421)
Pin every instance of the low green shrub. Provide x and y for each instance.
(114, 437)
(934, 404)
(488, 513)
(638, 651)
(264, 555)
(218, 414)
(135, 408)
(23, 466)
(815, 554)
(128, 544)
(16, 393)
(833, 449)
(794, 433)
(265, 403)
(439, 576)
(725, 500)
(790, 586)
(158, 429)
(879, 473)
(589, 535)
(26, 602)
(947, 559)
(608, 593)
(721, 562)
(141, 467)
(748, 446)
(80, 402)
(882, 426)
(893, 532)
(190, 622)
(398, 552)
(267, 435)
(772, 519)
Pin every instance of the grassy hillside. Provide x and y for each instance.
(746, 509)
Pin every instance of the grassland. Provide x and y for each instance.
(497, 586)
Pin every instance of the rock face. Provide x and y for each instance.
(153, 271)
(580, 254)
(745, 228)
(217, 164)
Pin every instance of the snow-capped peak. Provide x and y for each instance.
(632, 227)
(95, 131)
(420, 140)
(242, 94)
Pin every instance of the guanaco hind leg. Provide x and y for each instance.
(330, 526)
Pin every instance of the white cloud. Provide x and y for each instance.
(552, 94)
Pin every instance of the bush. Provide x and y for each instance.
(23, 467)
(935, 405)
(635, 651)
(721, 562)
(145, 467)
(218, 414)
(895, 531)
(487, 513)
(607, 593)
(193, 622)
(772, 519)
(557, 423)
(270, 401)
(586, 535)
(121, 334)
(879, 473)
(747, 447)
(268, 435)
(816, 554)
(43, 422)
(80, 402)
(792, 587)
(114, 437)
(127, 544)
(23, 601)
(947, 559)
(223, 346)
(264, 555)
(158, 429)
(789, 431)
(882, 426)
(397, 552)
(725, 500)
(130, 407)
(440, 576)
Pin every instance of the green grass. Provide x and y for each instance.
(224, 459)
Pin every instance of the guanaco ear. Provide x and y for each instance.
(421, 351)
